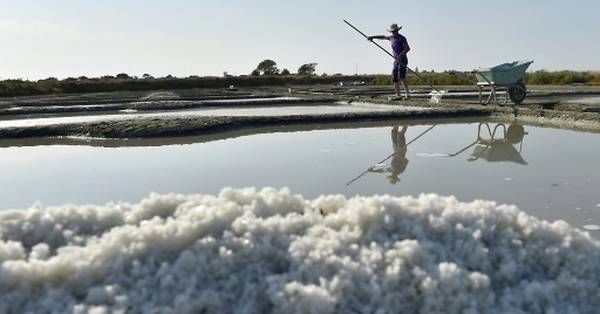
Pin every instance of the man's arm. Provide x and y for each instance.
(381, 37)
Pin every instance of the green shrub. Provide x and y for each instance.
(561, 78)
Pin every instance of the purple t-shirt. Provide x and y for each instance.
(398, 44)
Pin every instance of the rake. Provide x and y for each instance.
(436, 94)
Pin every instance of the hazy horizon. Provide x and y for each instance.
(75, 38)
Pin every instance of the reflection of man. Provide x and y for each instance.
(398, 159)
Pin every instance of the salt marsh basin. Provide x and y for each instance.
(549, 173)
(126, 207)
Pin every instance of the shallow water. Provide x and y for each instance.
(552, 174)
(326, 108)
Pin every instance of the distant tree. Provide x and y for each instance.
(83, 78)
(285, 72)
(255, 72)
(267, 67)
(324, 74)
(123, 76)
(107, 77)
(70, 79)
(169, 76)
(417, 69)
(147, 76)
(307, 69)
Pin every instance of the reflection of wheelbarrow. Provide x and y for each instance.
(507, 76)
(495, 149)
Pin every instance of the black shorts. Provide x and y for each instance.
(399, 72)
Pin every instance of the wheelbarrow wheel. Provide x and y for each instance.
(517, 93)
(515, 133)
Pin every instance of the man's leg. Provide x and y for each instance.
(406, 89)
(402, 78)
(397, 88)
(396, 80)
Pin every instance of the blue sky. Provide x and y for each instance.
(71, 38)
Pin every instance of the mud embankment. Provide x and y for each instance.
(540, 111)
(183, 126)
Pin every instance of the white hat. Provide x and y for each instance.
(394, 28)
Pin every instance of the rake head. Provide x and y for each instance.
(436, 96)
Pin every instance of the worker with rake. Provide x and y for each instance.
(401, 48)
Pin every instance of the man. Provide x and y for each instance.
(401, 48)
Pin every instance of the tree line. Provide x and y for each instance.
(123, 81)
(269, 67)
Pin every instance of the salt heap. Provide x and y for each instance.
(249, 251)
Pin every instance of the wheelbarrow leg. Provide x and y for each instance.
(479, 130)
(496, 129)
(505, 100)
(489, 98)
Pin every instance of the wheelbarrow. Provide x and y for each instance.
(504, 77)
(497, 145)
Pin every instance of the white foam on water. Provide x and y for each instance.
(128, 111)
(432, 155)
(592, 227)
(379, 167)
(261, 251)
(84, 138)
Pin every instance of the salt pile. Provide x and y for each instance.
(249, 251)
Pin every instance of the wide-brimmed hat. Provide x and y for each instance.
(394, 28)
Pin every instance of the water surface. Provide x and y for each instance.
(550, 173)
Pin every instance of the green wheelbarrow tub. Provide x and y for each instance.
(505, 74)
